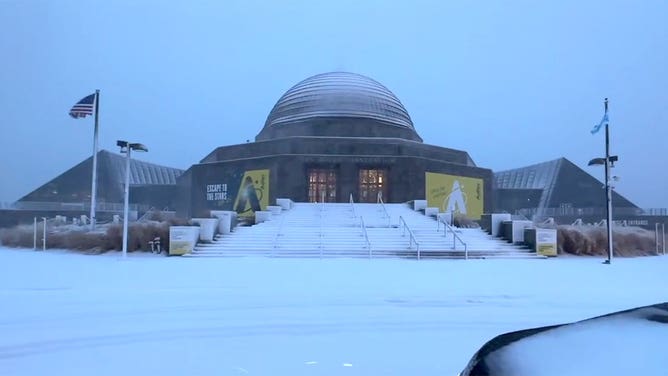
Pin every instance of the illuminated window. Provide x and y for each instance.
(321, 184)
(372, 182)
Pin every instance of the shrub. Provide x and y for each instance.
(589, 240)
(20, 236)
(461, 220)
(80, 239)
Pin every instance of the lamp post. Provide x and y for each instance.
(609, 162)
(127, 147)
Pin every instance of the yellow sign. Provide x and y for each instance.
(547, 250)
(546, 241)
(253, 193)
(461, 194)
(182, 239)
(179, 248)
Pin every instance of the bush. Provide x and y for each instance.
(461, 220)
(139, 234)
(589, 240)
(20, 236)
(77, 238)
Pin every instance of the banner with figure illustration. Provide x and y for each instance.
(461, 194)
(253, 193)
(242, 191)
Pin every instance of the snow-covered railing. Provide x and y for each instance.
(149, 212)
(279, 232)
(69, 206)
(322, 202)
(411, 239)
(382, 205)
(320, 245)
(455, 237)
(573, 211)
(366, 236)
(660, 239)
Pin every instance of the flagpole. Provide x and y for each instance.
(608, 188)
(93, 195)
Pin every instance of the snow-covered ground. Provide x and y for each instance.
(71, 314)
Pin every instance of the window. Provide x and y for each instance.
(321, 183)
(371, 182)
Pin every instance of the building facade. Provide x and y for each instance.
(331, 137)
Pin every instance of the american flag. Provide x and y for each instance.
(83, 107)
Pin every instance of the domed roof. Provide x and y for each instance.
(339, 95)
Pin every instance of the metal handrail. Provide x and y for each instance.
(521, 216)
(322, 201)
(589, 211)
(455, 237)
(68, 206)
(146, 214)
(320, 236)
(278, 233)
(366, 236)
(660, 239)
(382, 204)
(412, 238)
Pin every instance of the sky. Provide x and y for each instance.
(511, 82)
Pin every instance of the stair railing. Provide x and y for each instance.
(320, 236)
(660, 237)
(411, 239)
(379, 200)
(322, 201)
(150, 211)
(455, 237)
(366, 236)
(278, 233)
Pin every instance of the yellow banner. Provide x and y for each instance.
(253, 193)
(460, 194)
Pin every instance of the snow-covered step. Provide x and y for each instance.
(335, 230)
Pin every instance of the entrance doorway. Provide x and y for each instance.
(321, 184)
(371, 182)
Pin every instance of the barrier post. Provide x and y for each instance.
(44, 235)
(34, 235)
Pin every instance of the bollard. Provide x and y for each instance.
(34, 236)
(44, 235)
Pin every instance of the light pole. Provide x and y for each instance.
(609, 162)
(127, 147)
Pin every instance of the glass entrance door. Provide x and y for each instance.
(321, 184)
(371, 182)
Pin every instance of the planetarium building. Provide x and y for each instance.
(331, 137)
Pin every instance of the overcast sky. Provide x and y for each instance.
(511, 82)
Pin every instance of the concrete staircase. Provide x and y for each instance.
(357, 230)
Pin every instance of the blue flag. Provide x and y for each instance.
(598, 126)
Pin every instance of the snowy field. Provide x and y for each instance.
(69, 314)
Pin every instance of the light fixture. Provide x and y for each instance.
(127, 147)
